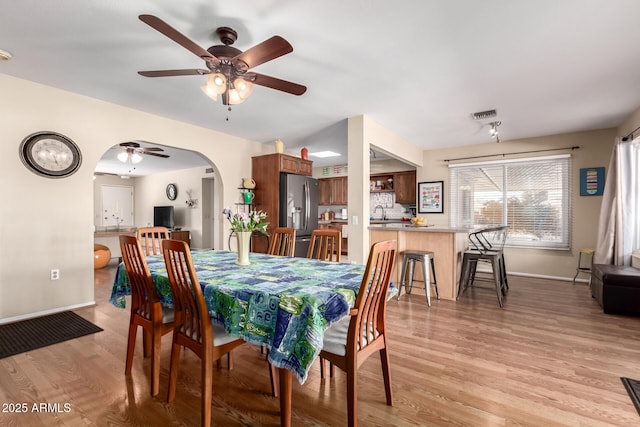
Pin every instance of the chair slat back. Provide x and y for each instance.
(489, 239)
(326, 245)
(143, 291)
(371, 303)
(192, 318)
(150, 238)
(283, 242)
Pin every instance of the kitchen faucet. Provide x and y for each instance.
(376, 208)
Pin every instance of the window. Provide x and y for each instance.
(531, 196)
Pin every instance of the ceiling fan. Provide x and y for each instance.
(228, 68)
(133, 151)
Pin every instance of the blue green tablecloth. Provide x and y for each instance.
(283, 303)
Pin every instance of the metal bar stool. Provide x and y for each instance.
(485, 245)
(581, 269)
(409, 260)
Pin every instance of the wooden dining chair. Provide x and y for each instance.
(326, 245)
(283, 242)
(150, 238)
(146, 309)
(193, 327)
(347, 344)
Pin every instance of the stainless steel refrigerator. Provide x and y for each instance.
(299, 208)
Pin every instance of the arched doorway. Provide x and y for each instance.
(191, 173)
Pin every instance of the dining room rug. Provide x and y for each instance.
(30, 334)
(633, 388)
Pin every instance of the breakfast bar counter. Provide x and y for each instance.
(446, 243)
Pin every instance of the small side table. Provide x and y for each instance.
(584, 269)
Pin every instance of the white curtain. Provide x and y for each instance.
(618, 214)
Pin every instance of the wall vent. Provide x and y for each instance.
(481, 115)
(208, 170)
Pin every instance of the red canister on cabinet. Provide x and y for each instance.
(304, 153)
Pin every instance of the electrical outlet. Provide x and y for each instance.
(55, 274)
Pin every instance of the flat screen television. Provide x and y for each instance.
(163, 216)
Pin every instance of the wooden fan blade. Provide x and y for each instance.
(151, 153)
(263, 52)
(278, 84)
(169, 73)
(133, 144)
(145, 149)
(175, 35)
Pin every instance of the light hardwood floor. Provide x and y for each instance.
(549, 358)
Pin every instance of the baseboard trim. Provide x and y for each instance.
(544, 276)
(540, 276)
(45, 312)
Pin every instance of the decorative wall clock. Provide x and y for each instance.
(50, 154)
(172, 192)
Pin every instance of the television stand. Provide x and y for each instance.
(179, 234)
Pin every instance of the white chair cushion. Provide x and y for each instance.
(335, 338)
(221, 336)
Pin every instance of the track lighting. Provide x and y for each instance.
(493, 131)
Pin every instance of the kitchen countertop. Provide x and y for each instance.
(329, 221)
(372, 221)
(418, 228)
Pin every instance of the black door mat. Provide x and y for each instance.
(30, 334)
(633, 388)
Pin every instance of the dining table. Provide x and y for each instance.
(282, 303)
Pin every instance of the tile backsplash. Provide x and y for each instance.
(392, 210)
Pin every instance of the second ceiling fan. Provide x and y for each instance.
(228, 69)
(132, 151)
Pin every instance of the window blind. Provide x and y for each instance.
(532, 196)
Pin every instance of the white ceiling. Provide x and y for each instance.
(418, 68)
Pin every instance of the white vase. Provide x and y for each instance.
(244, 239)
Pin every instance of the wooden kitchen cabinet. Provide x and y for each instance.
(404, 184)
(265, 171)
(324, 191)
(295, 165)
(333, 191)
(339, 193)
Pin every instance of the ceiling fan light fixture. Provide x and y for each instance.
(123, 156)
(234, 97)
(5, 55)
(217, 82)
(243, 87)
(226, 63)
(136, 158)
(210, 92)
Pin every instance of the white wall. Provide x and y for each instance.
(48, 223)
(362, 134)
(150, 192)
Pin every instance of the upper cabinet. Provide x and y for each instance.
(332, 191)
(405, 187)
(401, 183)
(295, 165)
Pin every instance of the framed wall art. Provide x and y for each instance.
(430, 197)
(591, 181)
